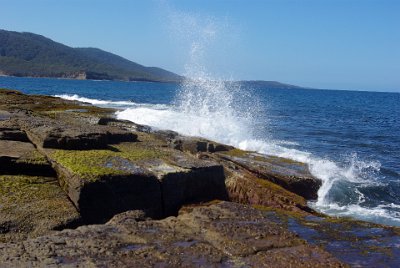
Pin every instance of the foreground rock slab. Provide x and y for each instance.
(31, 206)
(220, 235)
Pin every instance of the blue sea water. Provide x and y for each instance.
(349, 139)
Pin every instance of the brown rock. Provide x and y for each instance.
(221, 235)
(291, 175)
(33, 206)
(47, 133)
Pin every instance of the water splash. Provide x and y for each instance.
(218, 108)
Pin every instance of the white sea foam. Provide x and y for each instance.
(380, 214)
(110, 103)
(95, 101)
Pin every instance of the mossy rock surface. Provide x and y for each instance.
(135, 175)
(12, 100)
(32, 206)
(94, 165)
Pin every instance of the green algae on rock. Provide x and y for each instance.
(32, 206)
(135, 176)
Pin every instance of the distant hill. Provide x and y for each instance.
(269, 84)
(28, 54)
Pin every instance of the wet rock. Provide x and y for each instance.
(224, 234)
(356, 243)
(32, 206)
(291, 175)
(245, 188)
(165, 135)
(195, 145)
(124, 124)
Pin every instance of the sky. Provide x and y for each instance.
(341, 44)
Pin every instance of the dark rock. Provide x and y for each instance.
(14, 135)
(191, 182)
(124, 124)
(195, 145)
(22, 158)
(149, 176)
(164, 134)
(10, 130)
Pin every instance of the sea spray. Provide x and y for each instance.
(218, 108)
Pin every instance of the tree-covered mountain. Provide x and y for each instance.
(28, 54)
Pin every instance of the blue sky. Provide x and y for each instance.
(342, 44)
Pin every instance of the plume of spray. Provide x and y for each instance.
(219, 109)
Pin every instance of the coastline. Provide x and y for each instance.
(94, 171)
(88, 79)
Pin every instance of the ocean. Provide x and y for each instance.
(349, 139)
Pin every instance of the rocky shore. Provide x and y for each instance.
(80, 188)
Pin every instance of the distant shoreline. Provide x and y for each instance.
(88, 79)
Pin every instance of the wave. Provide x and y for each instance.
(109, 103)
(383, 214)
